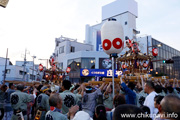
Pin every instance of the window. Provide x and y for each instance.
(74, 64)
(61, 65)
(61, 49)
(72, 49)
(88, 63)
(21, 72)
(32, 77)
(125, 23)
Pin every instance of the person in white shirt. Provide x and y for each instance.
(149, 101)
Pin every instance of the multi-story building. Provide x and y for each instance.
(167, 52)
(89, 55)
(17, 72)
(30, 73)
(13, 72)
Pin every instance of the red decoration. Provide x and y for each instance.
(40, 67)
(124, 66)
(68, 69)
(47, 76)
(128, 43)
(155, 52)
(54, 76)
(51, 61)
(60, 76)
(53, 67)
(117, 43)
(106, 44)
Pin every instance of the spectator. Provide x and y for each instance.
(100, 113)
(89, 99)
(170, 107)
(55, 101)
(118, 100)
(69, 98)
(43, 102)
(2, 98)
(146, 112)
(130, 95)
(157, 101)
(108, 97)
(34, 107)
(127, 112)
(149, 101)
(8, 108)
(19, 102)
(140, 95)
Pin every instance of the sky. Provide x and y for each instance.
(34, 24)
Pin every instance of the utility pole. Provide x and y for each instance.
(24, 66)
(33, 67)
(5, 66)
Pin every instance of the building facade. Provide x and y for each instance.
(166, 52)
(17, 72)
(90, 55)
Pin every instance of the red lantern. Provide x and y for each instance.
(40, 67)
(68, 69)
(47, 75)
(54, 76)
(53, 67)
(60, 76)
(155, 52)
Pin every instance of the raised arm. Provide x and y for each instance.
(102, 85)
(142, 81)
(108, 87)
(177, 83)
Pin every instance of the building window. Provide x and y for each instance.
(32, 77)
(125, 23)
(61, 50)
(60, 65)
(72, 49)
(74, 64)
(88, 63)
(21, 72)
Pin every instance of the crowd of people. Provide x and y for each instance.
(151, 100)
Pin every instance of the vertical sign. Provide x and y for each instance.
(98, 41)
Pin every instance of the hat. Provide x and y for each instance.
(81, 115)
(44, 88)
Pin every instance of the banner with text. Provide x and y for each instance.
(99, 72)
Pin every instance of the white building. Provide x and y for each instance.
(30, 72)
(16, 72)
(13, 72)
(125, 12)
(89, 55)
